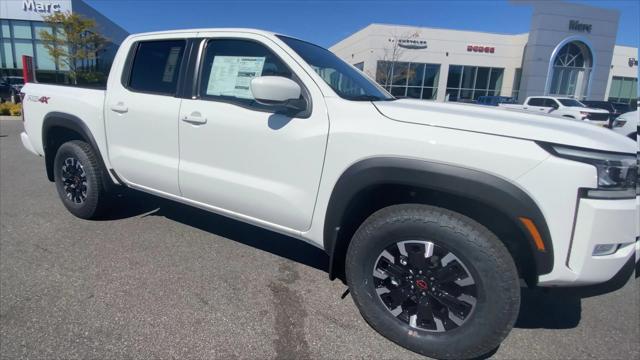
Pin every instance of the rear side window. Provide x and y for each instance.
(155, 66)
(536, 101)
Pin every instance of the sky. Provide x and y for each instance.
(327, 22)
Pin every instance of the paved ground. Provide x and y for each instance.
(162, 280)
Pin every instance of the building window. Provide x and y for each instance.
(7, 54)
(623, 90)
(412, 80)
(516, 84)
(23, 47)
(467, 83)
(359, 66)
(21, 29)
(571, 70)
(45, 61)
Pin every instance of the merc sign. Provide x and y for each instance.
(40, 6)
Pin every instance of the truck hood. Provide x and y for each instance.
(504, 122)
(587, 109)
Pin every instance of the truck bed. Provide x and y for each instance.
(45, 101)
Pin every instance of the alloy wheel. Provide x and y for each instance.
(425, 285)
(74, 180)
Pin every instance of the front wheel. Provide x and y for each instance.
(433, 281)
(79, 180)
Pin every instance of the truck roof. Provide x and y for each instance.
(179, 31)
(551, 97)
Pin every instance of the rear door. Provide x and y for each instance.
(141, 113)
(538, 105)
(241, 157)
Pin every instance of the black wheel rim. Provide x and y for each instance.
(424, 285)
(74, 180)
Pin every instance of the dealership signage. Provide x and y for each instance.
(481, 49)
(576, 25)
(41, 6)
(410, 42)
(34, 10)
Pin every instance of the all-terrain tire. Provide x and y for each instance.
(480, 251)
(79, 179)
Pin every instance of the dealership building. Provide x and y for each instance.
(21, 24)
(570, 50)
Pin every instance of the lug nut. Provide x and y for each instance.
(403, 261)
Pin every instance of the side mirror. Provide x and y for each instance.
(277, 91)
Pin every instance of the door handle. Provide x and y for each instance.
(195, 118)
(119, 108)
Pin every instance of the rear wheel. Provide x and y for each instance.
(433, 281)
(79, 180)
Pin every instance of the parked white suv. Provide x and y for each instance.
(627, 124)
(566, 108)
(432, 212)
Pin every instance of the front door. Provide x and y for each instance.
(141, 113)
(239, 156)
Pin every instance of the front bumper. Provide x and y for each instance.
(600, 222)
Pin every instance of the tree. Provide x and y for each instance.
(392, 55)
(74, 43)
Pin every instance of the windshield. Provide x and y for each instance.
(345, 80)
(571, 102)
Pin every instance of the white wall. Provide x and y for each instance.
(532, 51)
(550, 27)
(444, 47)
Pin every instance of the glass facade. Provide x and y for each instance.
(412, 80)
(467, 83)
(623, 90)
(515, 91)
(19, 37)
(571, 70)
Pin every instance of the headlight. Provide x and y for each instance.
(617, 172)
(619, 123)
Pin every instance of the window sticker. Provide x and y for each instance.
(231, 75)
(170, 66)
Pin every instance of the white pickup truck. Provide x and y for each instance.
(431, 212)
(562, 107)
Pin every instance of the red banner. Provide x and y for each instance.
(28, 72)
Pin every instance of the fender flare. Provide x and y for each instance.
(485, 188)
(71, 122)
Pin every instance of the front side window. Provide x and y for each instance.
(536, 102)
(549, 103)
(571, 102)
(229, 65)
(347, 82)
(156, 65)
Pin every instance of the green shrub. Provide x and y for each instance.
(9, 109)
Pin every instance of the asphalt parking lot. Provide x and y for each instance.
(162, 280)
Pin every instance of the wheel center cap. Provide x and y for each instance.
(421, 284)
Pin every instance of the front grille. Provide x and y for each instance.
(598, 117)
